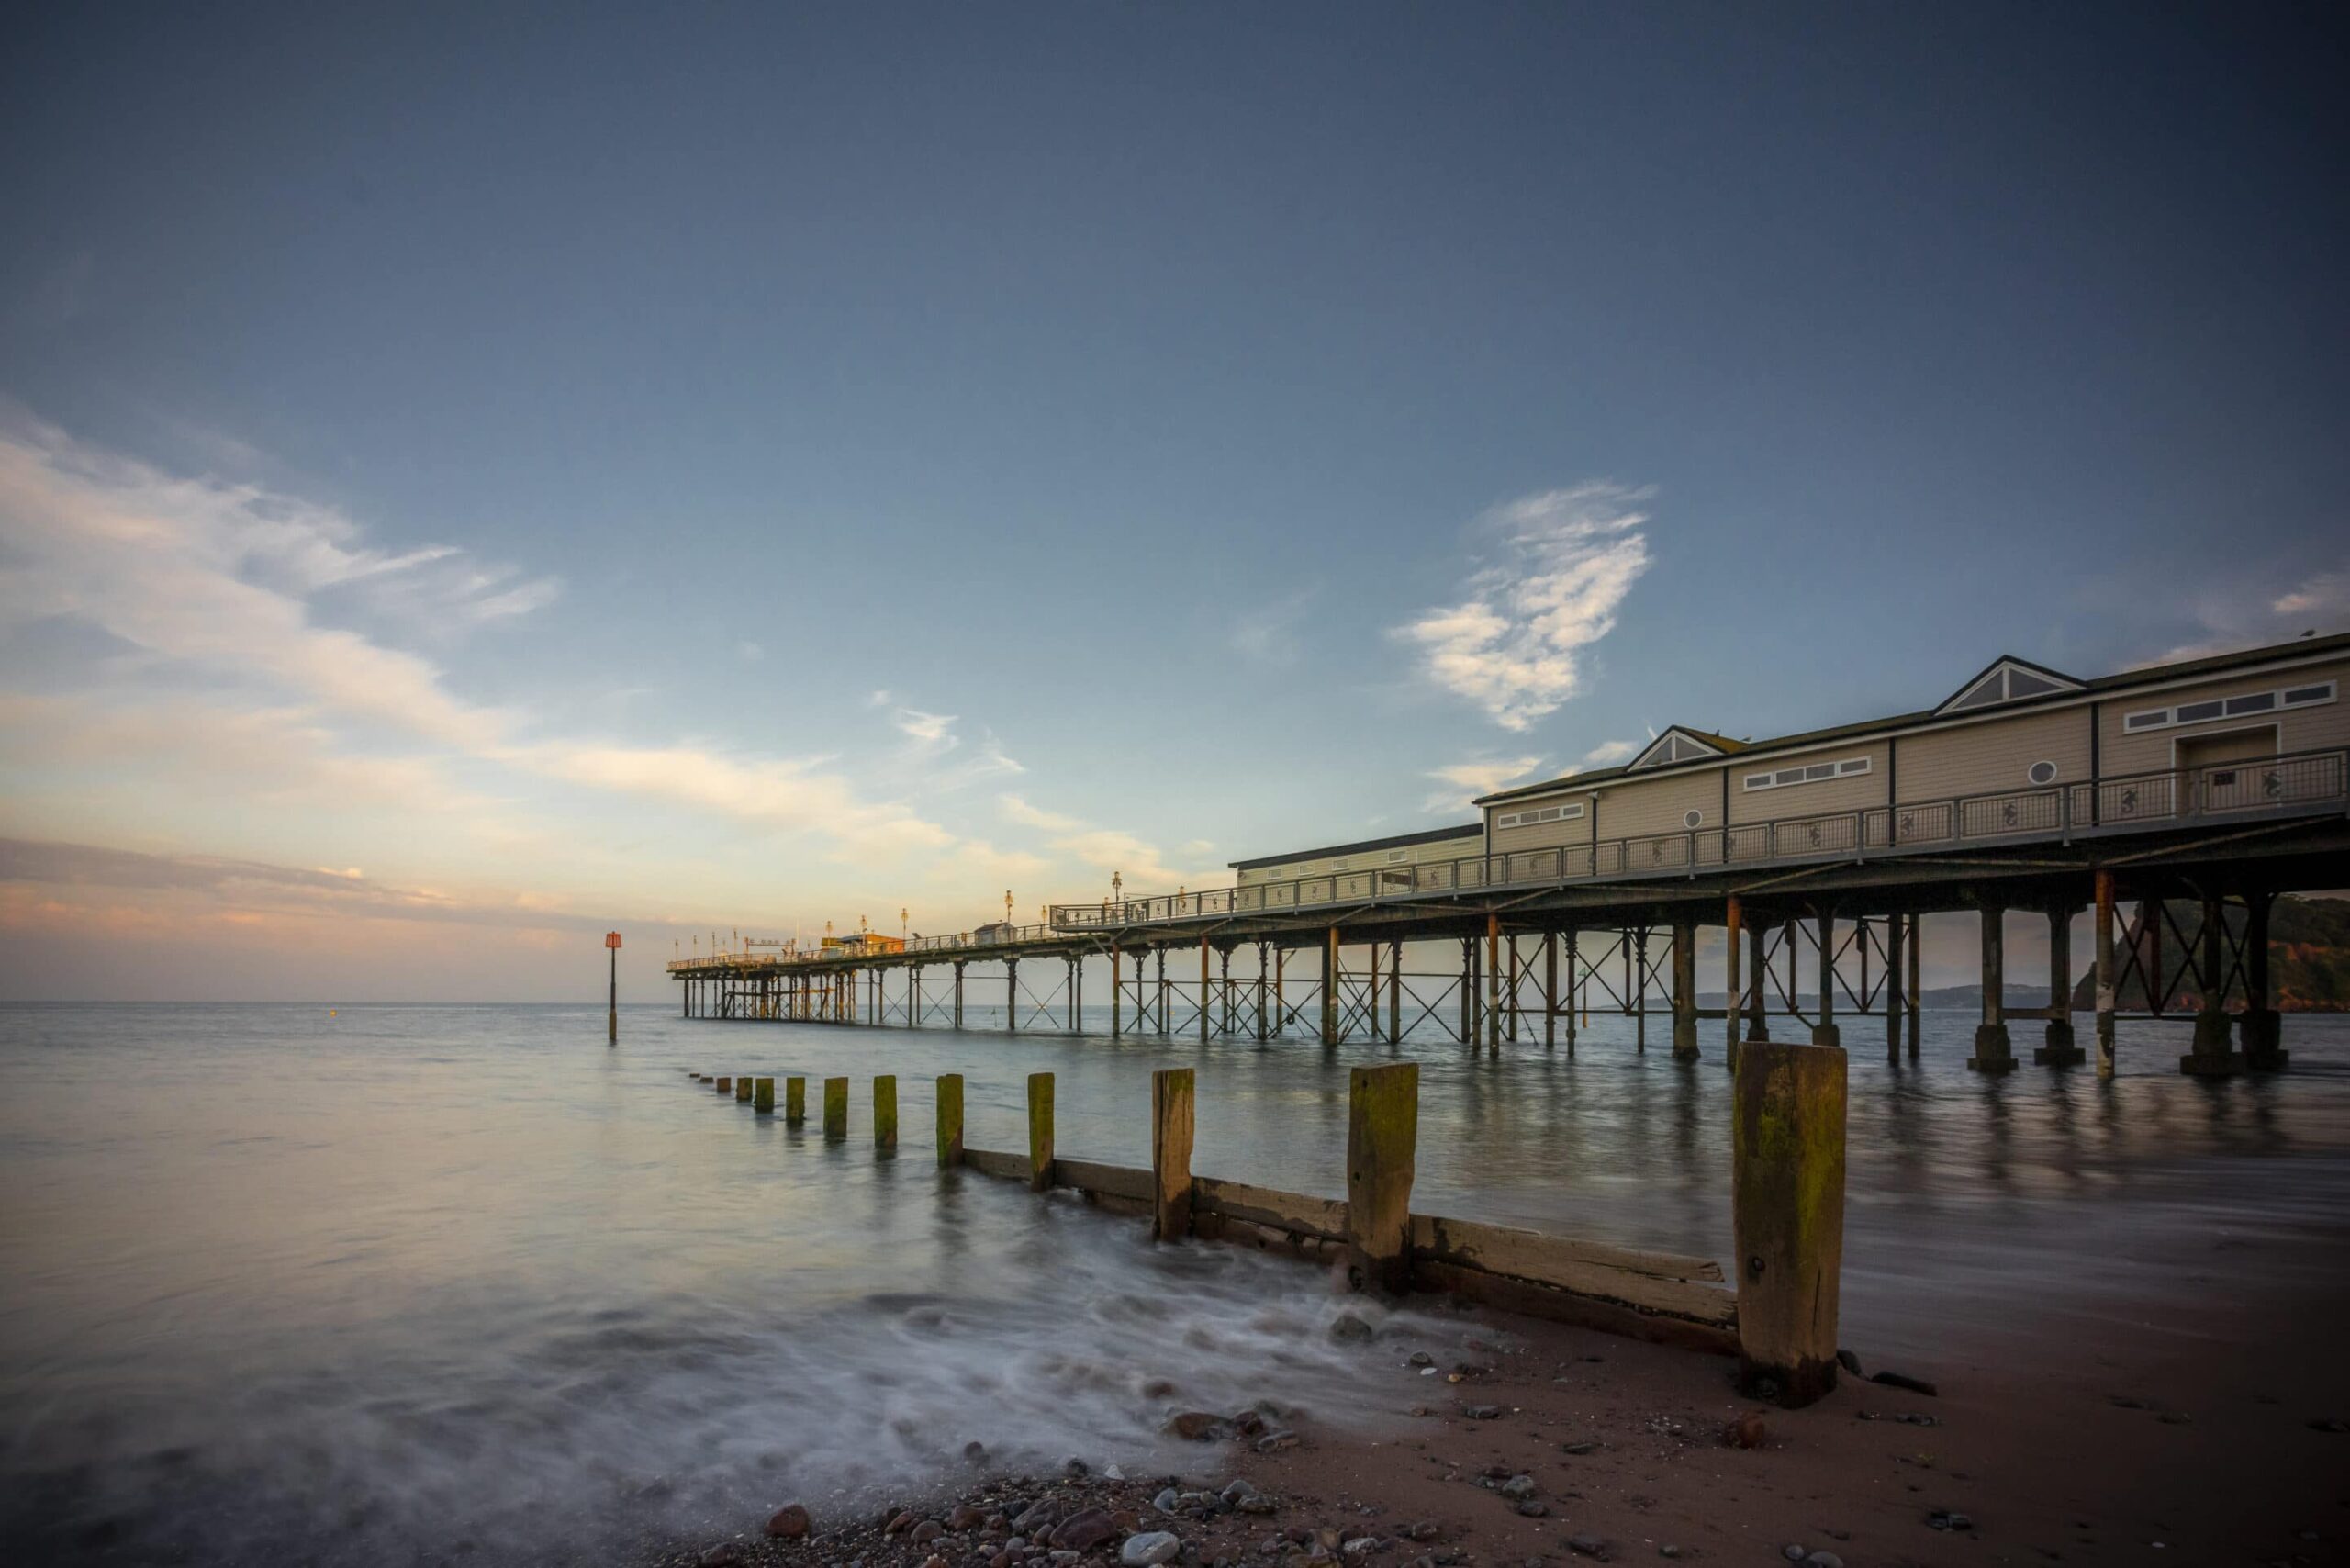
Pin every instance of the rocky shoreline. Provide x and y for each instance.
(1516, 1444)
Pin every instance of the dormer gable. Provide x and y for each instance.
(1679, 744)
(2007, 679)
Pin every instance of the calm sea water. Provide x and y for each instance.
(425, 1284)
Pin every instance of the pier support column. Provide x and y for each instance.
(1991, 1049)
(1330, 988)
(2101, 969)
(1281, 989)
(836, 1108)
(1788, 1205)
(1733, 980)
(1684, 992)
(1758, 979)
(2060, 1049)
(1205, 999)
(950, 1119)
(1261, 961)
(1911, 991)
(1550, 987)
(2212, 1055)
(2258, 1027)
(1382, 1138)
(958, 996)
(1468, 991)
(1395, 992)
(1893, 987)
(795, 1101)
(1636, 987)
(885, 1113)
(1118, 989)
(1492, 982)
(1170, 1153)
(1823, 1029)
(1011, 995)
(1226, 1023)
(1040, 1131)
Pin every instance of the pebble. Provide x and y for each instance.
(1942, 1518)
(1748, 1431)
(1850, 1362)
(964, 1517)
(788, 1522)
(1422, 1359)
(1165, 1501)
(1517, 1488)
(721, 1555)
(1587, 1545)
(1581, 1447)
(1484, 1412)
(1362, 1545)
(1795, 1554)
(1421, 1529)
(1149, 1547)
(1083, 1531)
(975, 1452)
(1235, 1489)
(934, 1560)
(926, 1532)
(1196, 1426)
(1348, 1327)
(903, 1520)
(1668, 1550)
(1534, 1508)
(1037, 1516)
(1274, 1442)
(1823, 1559)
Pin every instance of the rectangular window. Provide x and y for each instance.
(2256, 703)
(1811, 773)
(2195, 712)
(1532, 816)
(1397, 856)
(1339, 865)
(2152, 719)
(2217, 707)
(2296, 696)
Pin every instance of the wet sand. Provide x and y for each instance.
(2200, 1440)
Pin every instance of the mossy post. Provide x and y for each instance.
(724, 1086)
(950, 1119)
(1383, 1136)
(795, 1101)
(836, 1107)
(743, 1090)
(885, 1112)
(1170, 1153)
(763, 1096)
(1787, 1204)
(1040, 1131)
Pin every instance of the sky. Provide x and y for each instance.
(473, 477)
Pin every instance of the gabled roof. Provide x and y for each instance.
(1399, 841)
(2062, 686)
(2006, 680)
(1679, 743)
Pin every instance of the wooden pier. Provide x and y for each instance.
(1820, 913)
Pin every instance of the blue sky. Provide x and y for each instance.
(468, 478)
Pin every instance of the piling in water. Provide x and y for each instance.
(836, 1107)
(1040, 1131)
(1787, 1206)
(1170, 1153)
(795, 1101)
(1382, 1138)
(763, 1096)
(743, 1090)
(950, 1119)
(885, 1113)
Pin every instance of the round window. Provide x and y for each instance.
(2043, 773)
(1691, 819)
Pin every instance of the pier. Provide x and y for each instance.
(1820, 913)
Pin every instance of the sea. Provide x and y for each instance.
(374, 1286)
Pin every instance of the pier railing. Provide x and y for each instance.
(2303, 783)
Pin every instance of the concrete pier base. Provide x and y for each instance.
(2059, 1050)
(1993, 1052)
(1685, 1039)
(2212, 1055)
(2261, 1034)
(1828, 1035)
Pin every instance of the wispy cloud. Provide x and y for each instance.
(2247, 613)
(1606, 754)
(1464, 781)
(1558, 565)
(1143, 867)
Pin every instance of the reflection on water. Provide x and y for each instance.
(418, 1283)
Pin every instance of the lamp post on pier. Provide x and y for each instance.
(612, 1009)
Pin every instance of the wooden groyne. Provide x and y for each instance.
(1776, 1312)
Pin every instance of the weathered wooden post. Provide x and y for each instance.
(950, 1119)
(763, 1096)
(1733, 989)
(743, 1090)
(836, 1107)
(1040, 1131)
(885, 1112)
(1170, 1153)
(795, 1101)
(1383, 1137)
(1330, 988)
(1492, 982)
(1893, 926)
(1916, 988)
(724, 1086)
(1788, 1202)
(1825, 1032)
